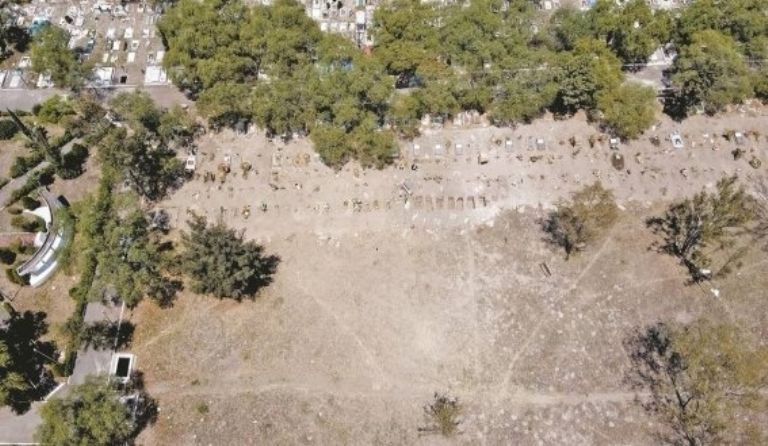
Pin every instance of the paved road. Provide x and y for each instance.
(25, 99)
(19, 429)
(91, 361)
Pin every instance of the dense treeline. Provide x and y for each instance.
(272, 65)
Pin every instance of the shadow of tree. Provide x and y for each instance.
(106, 335)
(29, 356)
(144, 408)
(266, 269)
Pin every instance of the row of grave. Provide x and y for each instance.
(427, 203)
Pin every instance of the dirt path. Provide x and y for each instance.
(544, 318)
(518, 397)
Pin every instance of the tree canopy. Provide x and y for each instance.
(220, 262)
(579, 221)
(710, 71)
(133, 261)
(628, 109)
(706, 227)
(150, 171)
(90, 414)
(143, 153)
(271, 65)
(705, 379)
(50, 54)
(24, 376)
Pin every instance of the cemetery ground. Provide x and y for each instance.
(397, 284)
(355, 335)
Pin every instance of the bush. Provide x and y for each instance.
(14, 210)
(42, 177)
(7, 256)
(14, 277)
(21, 248)
(29, 203)
(23, 164)
(53, 110)
(8, 129)
(443, 415)
(35, 224)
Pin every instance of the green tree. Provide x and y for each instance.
(137, 109)
(567, 26)
(90, 414)
(591, 69)
(577, 222)
(207, 43)
(743, 20)
(177, 126)
(132, 261)
(760, 83)
(73, 161)
(37, 138)
(405, 114)
(705, 379)
(638, 32)
(628, 110)
(226, 103)
(437, 94)
(151, 171)
(473, 33)
(332, 144)
(353, 96)
(708, 224)
(286, 105)
(50, 54)
(8, 129)
(220, 262)
(405, 35)
(290, 38)
(711, 72)
(11, 381)
(12, 37)
(524, 96)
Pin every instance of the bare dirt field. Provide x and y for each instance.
(398, 283)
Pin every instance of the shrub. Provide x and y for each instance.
(21, 248)
(14, 277)
(8, 129)
(23, 164)
(14, 210)
(443, 415)
(29, 203)
(53, 110)
(7, 256)
(42, 177)
(35, 224)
